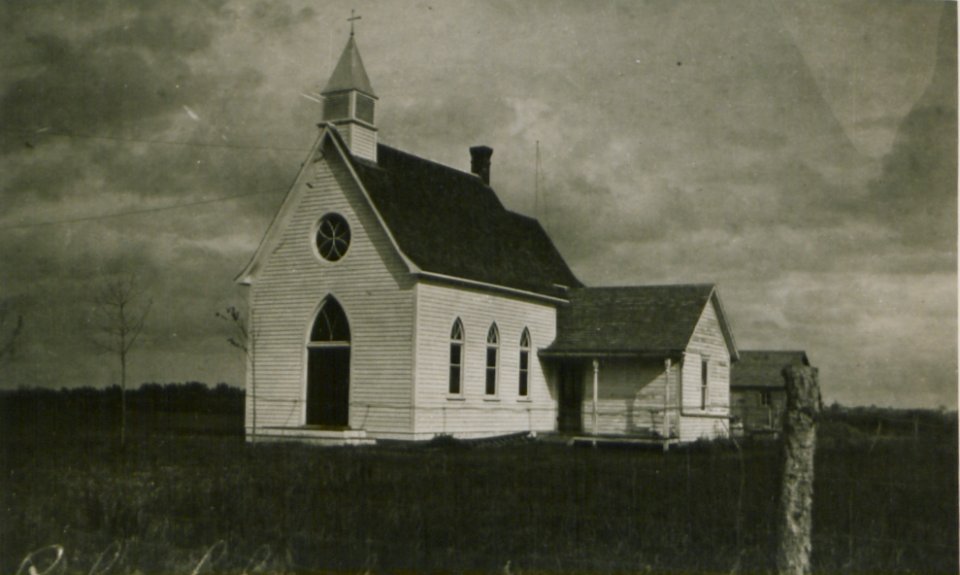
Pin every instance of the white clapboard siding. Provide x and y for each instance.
(361, 140)
(372, 285)
(630, 396)
(473, 413)
(707, 344)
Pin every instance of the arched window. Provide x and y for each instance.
(328, 367)
(331, 324)
(455, 386)
(704, 381)
(493, 353)
(524, 363)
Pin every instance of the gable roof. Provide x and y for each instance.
(451, 224)
(349, 73)
(443, 223)
(762, 368)
(638, 320)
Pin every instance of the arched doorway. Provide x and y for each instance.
(328, 367)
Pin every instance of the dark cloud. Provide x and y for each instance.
(757, 139)
(916, 193)
(277, 17)
(99, 91)
(160, 33)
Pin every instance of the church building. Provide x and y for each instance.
(396, 298)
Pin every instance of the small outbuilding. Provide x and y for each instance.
(757, 388)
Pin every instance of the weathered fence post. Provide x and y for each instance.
(796, 493)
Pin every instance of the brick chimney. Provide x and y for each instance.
(480, 162)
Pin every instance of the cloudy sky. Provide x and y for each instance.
(801, 155)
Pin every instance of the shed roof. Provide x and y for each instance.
(645, 320)
(762, 368)
(449, 222)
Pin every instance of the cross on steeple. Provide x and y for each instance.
(352, 18)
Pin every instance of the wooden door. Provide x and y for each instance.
(570, 409)
(328, 367)
(328, 386)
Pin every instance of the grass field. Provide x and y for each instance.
(883, 502)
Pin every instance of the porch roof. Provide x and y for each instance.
(635, 321)
(550, 353)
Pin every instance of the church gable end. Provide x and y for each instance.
(328, 193)
(328, 242)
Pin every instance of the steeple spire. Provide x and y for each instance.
(349, 73)
(349, 100)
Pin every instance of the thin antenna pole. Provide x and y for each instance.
(329, 53)
(536, 186)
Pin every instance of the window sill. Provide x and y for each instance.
(524, 400)
(494, 399)
(456, 398)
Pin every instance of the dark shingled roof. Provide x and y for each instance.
(761, 368)
(449, 222)
(654, 320)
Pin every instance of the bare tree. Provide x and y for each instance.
(11, 324)
(120, 313)
(245, 340)
(233, 316)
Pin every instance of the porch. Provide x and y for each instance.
(624, 440)
(616, 398)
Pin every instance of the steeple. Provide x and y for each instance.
(349, 101)
(349, 73)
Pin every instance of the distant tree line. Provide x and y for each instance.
(188, 397)
(176, 408)
(889, 421)
(98, 408)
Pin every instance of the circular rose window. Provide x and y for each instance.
(333, 237)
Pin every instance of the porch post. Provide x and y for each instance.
(666, 398)
(596, 378)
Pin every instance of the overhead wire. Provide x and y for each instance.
(61, 134)
(135, 212)
(57, 134)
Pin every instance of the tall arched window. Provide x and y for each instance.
(455, 386)
(524, 363)
(493, 353)
(704, 380)
(328, 367)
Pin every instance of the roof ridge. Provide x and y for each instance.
(773, 351)
(759, 355)
(636, 286)
(520, 215)
(527, 219)
(428, 161)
